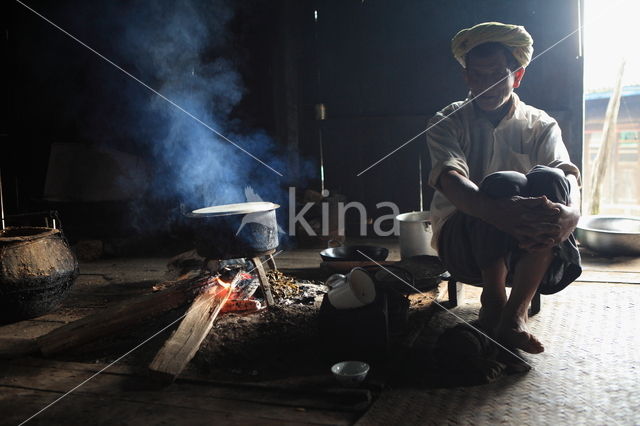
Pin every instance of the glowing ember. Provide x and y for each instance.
(241, 299)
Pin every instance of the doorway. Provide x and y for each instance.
(611, 54)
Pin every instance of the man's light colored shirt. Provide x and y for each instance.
(466, 141)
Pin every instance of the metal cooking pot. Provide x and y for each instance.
(415, 234)
(235, 230)
(610, 235)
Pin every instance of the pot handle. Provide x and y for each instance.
(335, 280)
(51, 218)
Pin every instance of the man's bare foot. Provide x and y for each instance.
(515, 334)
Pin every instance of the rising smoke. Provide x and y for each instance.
(181, 45)
(182, 49)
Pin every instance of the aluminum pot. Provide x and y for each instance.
(610, 235)
(235, 230)
(415, 234)
(37, 268)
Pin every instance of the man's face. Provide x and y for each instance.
(490, 80)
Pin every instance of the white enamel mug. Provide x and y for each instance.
(354, 290)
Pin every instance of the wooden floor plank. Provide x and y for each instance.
(18, 405)
(311, 392)
(128, 389)
(320, 392)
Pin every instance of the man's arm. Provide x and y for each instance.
(574, 192)
(551, 150)
(531, 220)
(567, 219)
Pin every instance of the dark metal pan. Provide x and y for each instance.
(354, 254)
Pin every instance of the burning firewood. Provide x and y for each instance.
(183, 344)
(242, 306)
(119, 317)
(166, 296)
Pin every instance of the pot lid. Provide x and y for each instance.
(422, 216)
(239, 208)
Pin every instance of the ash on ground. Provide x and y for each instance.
(288, 291)
(268, 343)
(282, 339)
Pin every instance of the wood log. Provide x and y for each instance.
(183, 344)
(123, 315)
(264, 282)
(241, 306)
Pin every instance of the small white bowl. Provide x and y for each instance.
(350, 373)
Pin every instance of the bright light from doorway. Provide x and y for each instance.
(611, 33)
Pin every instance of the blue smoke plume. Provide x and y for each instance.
(183, 49)
(176, 44)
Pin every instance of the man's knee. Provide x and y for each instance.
(504, 184)
(548, 181)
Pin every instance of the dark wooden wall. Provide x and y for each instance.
(382, 68)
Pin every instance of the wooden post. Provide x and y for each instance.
(607, 145)
(455, 290)
(272, 263)
(1, 202)
(264, 282)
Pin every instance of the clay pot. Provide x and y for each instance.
(36, 270)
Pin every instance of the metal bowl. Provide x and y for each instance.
(610, 235)
(350, 373)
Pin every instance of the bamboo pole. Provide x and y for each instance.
(607, 145)
(420, 183)
(1, 203)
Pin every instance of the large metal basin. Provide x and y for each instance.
(610, 235)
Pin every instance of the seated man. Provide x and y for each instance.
(507, 197)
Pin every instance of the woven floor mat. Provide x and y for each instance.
(588, 374)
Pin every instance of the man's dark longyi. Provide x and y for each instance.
(473, 244)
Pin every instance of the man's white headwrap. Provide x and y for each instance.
(513, 37)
